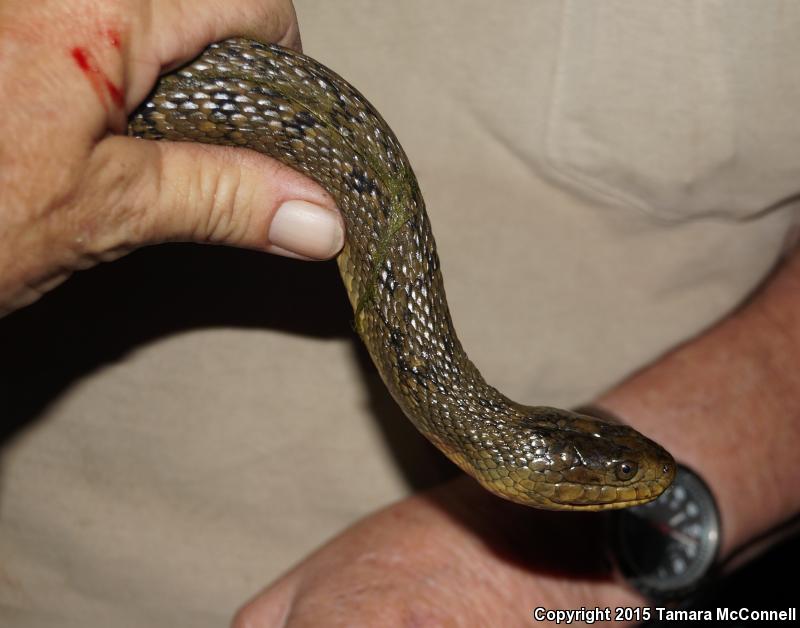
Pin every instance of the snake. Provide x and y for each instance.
(286, 105)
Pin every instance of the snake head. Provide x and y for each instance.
(569, 461)
(608, 465)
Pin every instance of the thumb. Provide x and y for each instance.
(156, 191)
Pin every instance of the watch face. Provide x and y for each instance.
(666, 547)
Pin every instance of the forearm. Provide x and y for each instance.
(727, 403)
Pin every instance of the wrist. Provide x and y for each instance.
(720, 406)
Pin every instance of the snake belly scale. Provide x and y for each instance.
(286, 105)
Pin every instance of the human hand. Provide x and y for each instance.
(76, 191)
(725, 402)
(454, 556)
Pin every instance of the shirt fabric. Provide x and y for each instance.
(604, 180)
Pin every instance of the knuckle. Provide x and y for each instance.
(279, 23)
(203, 195)
(244, 618)
(226, 201)
(256, 615)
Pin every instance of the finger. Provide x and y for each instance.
(158, 191)
(270, 608)
(192, 25)
(177, 31)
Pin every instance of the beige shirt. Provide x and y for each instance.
(604, 181)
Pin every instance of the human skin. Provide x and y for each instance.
(727, 403)
(76, 191)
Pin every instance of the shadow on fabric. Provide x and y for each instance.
(100, 315)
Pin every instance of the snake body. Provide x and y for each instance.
(286, 105)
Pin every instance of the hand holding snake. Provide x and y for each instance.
(241, 93)
(76, 191)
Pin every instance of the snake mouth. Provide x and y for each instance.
(549, 499)
(581, 496)
(598, 506)
(653, 479)
(595, 497)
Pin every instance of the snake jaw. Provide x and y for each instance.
(623, 469)
(584, 497)
(588, 465)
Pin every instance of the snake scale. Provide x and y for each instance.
(286, 105)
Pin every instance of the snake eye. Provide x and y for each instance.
(626, 470)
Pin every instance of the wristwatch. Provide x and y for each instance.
(667, 548)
